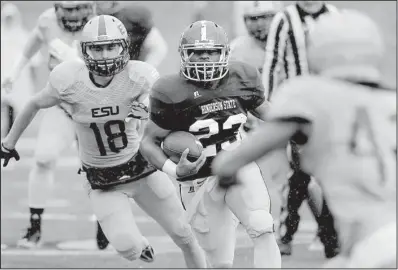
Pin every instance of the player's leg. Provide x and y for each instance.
(56, 133)
(251, 203)
(113, 211)
(158, 198)
(212, 221)
(293, 195)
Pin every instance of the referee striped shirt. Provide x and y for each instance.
(286, 48)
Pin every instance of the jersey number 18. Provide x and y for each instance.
(111, 136)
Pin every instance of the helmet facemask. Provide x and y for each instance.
(108, 66)
(73, 18)
(204, 71)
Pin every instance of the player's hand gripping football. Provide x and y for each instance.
(186, 168)
(138, 111)
(8, 154)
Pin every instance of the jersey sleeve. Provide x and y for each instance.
(161, 107)
(254, 95)
(295, 100)
(62, 77)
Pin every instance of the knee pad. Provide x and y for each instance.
(260, 222)
(183, 234)
(126, 246)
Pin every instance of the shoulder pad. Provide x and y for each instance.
(243, 70)
(64, 74)
(166, 87)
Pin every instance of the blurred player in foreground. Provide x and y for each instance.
(99, 94)
(286, 58)
(146, 43)
(210, 99)
(344, 120)
(250, 47)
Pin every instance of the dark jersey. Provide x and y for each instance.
(138, 22)
(213, 115)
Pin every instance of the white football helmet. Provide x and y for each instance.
(73, 15)
(258, 16)
(258, 8)
(105, 30)
(347, 43)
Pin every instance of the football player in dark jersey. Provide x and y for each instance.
(210, 98)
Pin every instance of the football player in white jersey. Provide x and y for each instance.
(99, 93)
(58, 30)
(345, 121)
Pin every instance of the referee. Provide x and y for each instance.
(286, 58)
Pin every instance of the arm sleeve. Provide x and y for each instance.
(274, 51)
(256, 90)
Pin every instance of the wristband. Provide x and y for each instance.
(170, 168)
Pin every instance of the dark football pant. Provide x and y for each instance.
(297, 190)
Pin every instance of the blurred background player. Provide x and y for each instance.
(249, 46)
(146, 43)
(109, 142)
(207, 99)
(345, 120)
(58, 30)
(286, 54)
(13, 39)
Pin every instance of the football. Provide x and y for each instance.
(176, 142)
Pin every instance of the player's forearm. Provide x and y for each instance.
(261, 111)
(24, 118)
(152, 151)
(32, 46)
(269, 136)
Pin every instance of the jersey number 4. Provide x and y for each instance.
(111, 136)
(363, 140)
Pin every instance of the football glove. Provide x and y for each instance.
(8, 154)
(138, 111)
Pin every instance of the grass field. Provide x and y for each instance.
(68, 228)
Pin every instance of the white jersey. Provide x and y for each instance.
(352, 147)
(61, 45)
(105, 139)
(249, 50)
